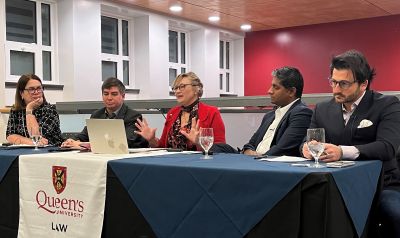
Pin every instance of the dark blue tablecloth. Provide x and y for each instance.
(357, 185)
(9, 154)
(184, 196)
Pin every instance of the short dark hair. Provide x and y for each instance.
(290, 77)
(113, 82)
(357, 63)
(19, 103)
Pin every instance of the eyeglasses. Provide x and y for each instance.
(181, 87)
(34, 90)
(343, 84)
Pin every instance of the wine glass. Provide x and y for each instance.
(36, 135)
(315, 143)
(206, 140)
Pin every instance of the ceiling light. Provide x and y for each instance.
(213, 18)
(245, 27)
(175, 8)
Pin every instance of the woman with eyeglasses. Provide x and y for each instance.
(31, 112)
(181, 128)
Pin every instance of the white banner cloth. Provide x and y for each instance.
(62, 194)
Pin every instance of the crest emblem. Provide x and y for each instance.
(59, 175)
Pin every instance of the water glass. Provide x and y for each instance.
(35, 134)
(206, 140)
(316, 144)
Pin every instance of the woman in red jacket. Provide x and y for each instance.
(181, 129)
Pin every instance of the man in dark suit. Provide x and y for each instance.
(361, 124)
(282, 131)
(113, 91)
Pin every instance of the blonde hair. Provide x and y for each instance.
(194, 79)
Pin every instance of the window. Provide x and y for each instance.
(225, 72)
(177, 54)
(29, 39)
(115, 49)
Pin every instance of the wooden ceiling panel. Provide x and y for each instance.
(224, 4)
(270, 14)
(391, 6)
(195, 13)
(303, 12)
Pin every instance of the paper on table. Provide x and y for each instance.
(140, 150)
(155, 152)
(285, 158)
(26, 146)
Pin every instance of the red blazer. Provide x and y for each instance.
(209, 116)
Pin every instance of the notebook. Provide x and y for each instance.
(107, 136)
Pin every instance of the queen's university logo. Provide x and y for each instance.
(59, 178)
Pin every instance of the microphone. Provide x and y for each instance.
(162, 111)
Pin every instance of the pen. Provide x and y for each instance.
(174, 150)
(261, 157)
(301, 165)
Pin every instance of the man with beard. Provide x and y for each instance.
(361, 124)
(282, 131)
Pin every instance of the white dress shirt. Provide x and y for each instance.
(265, 144)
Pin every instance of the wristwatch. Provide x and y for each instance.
(29, 112)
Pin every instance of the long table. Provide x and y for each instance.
(228, 196)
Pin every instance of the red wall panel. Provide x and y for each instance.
(310, 48)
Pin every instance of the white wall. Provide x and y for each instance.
(204, 58)
(238, 65)
(78, 36)
(79, 53)
(3, 53)
(211, 60)
(80, 49)
(151, 56)
(142, 53)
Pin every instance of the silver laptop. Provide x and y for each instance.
(107, 136)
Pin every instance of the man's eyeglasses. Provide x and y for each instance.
(343, 84)
(34, 90)
(181, 87)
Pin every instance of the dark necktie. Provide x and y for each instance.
(111, 116)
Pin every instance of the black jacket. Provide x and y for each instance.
(289, 133)
(129, 116)
(379, 141)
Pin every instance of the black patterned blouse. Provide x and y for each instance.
(175, 138)
(47, 117)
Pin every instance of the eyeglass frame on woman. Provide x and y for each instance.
(343, 84)
(34, 90)
(182, 86)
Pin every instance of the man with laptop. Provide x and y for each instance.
(113, 93)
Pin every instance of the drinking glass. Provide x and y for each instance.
(206, 140)
(36, 135)
(315, 143)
